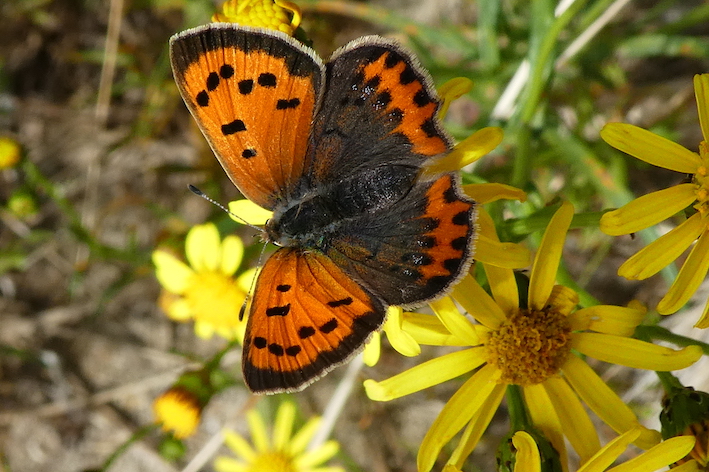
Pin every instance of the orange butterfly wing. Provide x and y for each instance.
(253, 94)
(307, 317)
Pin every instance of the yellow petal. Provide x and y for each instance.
(425, 375)
(507, 255)
(701, 91)
(608, 319)
(691, 466)
(610, 452)
(172, 273)
(704, 319)
(250, 213)
(659, 456)
(203, 330)
(604, 402)
(232, 253)
(651, 148)
(467, 151)
(490, 251)
(180, 310)
(283, 425)
(372, 349)
(492, 192)
(227, 464)
(503, 284)
(575, 422)
(259, 435)
(527, 459)
(452, 90)
(478, 303)
(238, 445)
(693, 272)
(634, 353)
(661, 252)
(648, 210)
(429, 330)
(477, 425)
(453, 319)
(311, 459)
(544, 417)
(304, 435)
(399, 339)
(203, 247)
(546, 263)
(455, 414)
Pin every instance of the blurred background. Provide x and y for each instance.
(107, 150)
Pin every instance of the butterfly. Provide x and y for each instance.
(336, 150)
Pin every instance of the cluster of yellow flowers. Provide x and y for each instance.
(531, 350)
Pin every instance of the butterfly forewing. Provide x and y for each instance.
(374, 81)
(306, 318)
(253, 94)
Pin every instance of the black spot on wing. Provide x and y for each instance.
(421, 98)
(233, 127)
(267, 80)
(286, 104)
(429, 127)
(329, 327)
(248, 153)
(278, 310)
(460, 243)
(452, 265)
(275, 349)
(226, 71)
(283, 288)
(246, 86)
(293, 350)
(212, 81)
(203, 98)
(407, 76)
(336, 303)
(461, 219)
(260, 342)
(305, 332)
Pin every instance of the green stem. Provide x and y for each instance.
(663, 334)
(669, 382)
(519, 419)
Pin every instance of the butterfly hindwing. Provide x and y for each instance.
(306, 318)
(253, 93)
(415, 250)
(379, 108)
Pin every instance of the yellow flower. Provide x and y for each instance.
(282, 452)
(533, 345)
(278, 15)
(659, 456)
(657, 206)
(9, 153)
(178, 411)
(205, 291)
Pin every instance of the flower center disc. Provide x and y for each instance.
(530, 346)
(272, 461)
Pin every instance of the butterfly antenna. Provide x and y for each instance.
(247, 299)
(199, 193)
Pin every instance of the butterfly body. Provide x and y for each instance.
(336, 151)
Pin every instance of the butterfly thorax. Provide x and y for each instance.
(311, 217)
